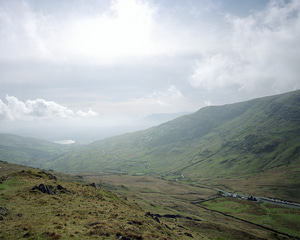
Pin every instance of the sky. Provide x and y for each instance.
(98, 66)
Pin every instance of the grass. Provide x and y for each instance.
(85, 213)
(7, 184)
(252, 145)
(89, 213)
(166, 197)
(283, 219)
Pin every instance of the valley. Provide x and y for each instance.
(224, 172)
(202, 203)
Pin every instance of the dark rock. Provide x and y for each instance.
(93, 185)
(62, 189)
(1, 218)
(50, 189)
(45, 189)
(171, 216)
(20, 215)
(93, 224)
(4, 211)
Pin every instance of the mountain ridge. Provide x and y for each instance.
(256, 138)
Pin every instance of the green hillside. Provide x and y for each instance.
(240, 138)
(72, 210)
(258, 138)
(28, 151)
(256, 142)
(171, 176)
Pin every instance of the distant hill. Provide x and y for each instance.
(28, 151)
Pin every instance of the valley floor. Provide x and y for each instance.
(213, 211)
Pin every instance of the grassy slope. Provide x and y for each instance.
(86, 213)
(89, 213)
(258, 138)
(199, 202)
(238, 145)
(28, 151)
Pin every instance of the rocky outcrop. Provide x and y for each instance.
(45, 189)
(62, 189)
(50, 189)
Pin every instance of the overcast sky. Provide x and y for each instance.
(107, 61)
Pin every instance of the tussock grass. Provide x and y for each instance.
(85, 213)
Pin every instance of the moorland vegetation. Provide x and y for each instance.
(168, 173)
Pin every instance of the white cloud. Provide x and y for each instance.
(15, 109)
(165, 98)
(122, 30)
(263, 52)
(217, 71)
(89, 113)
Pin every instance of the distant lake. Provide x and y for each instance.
(64, 141)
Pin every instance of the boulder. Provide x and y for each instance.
(44, 189)
(4, 211)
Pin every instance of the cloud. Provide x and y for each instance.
(85, 34)
(166, 97)
(217, 71)
(15, 109)
(169, 100)
(120, 30)
(263, 52)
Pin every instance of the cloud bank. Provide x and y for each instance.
(117, 30)
(127, 59)
(38, 109)
(263, 51)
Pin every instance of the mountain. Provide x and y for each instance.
(238, 138)
(252, 143)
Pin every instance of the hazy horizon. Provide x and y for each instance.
(90, 69)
